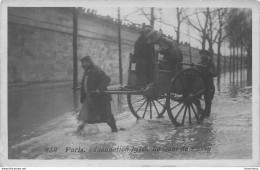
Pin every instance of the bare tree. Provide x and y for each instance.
(212, 32)
(199, 26)
(221, 15)
(240, 28)
(180, 18)
(150, 16)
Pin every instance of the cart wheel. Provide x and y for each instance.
(186, 98)
(143, 107)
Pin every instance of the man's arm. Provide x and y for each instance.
(104, 81)
(82, 91)
(213, 69)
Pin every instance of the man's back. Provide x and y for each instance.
(173, 54)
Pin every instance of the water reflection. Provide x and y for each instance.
(32, 107)
(229, 83)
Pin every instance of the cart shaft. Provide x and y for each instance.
(122, 92)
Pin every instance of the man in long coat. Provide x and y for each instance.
(96, 106)
(143, 55)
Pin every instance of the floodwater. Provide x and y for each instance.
(42, 125)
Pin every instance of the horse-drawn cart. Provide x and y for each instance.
(182, 95)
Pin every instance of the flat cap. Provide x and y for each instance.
(147, 28)
(85, 58)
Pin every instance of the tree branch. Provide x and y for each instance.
(198, 19)
(193, 25)
(131, 13)
(146, 15)
(193, 37)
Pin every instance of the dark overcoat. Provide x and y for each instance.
(96, 107)
(143, 55)
(209, 72)
(173, 55)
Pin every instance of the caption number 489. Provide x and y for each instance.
(51, 149)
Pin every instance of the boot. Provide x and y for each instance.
(113, 127)
(80, 128)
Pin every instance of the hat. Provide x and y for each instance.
(146, 28)
(153, 36)
(86, 58)
(204, 52)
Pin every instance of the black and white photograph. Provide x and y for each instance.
(157, 81)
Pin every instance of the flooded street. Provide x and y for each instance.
(42, 125)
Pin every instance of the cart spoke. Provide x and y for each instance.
(150, 110)
(176, 106)
(156, 108)
(140, 106)
(189, 115)
(183, 118)
(179, 112)
(138, 100)
(189, 87)
(195, 113)
(160, 103)
(145, 109)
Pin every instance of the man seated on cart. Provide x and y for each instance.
(172, 54)
(143, 57)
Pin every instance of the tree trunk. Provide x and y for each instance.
(219, 62)
(119, 49)
(203, 44)
(178, 34)
(74, 44)
(234, 69)
(152, 17)
(178, 26)
(249, 67)
(225, 65)
(241, 64)
(237, 62)
(230, 64)
(211, 48)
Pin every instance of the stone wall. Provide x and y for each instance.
(40, 44)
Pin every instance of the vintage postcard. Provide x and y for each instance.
(129, 83)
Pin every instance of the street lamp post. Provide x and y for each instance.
(75, 57)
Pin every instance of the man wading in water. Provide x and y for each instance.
(96, 106)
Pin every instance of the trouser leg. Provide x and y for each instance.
(112, 123)
(211, 95)
(198, 104)
(208, 109)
